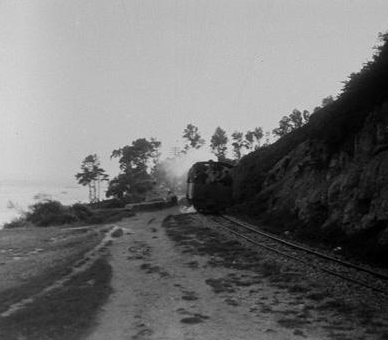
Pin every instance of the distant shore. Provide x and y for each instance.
(16, 196)
(35, 259)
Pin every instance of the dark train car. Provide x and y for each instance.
(209, 186)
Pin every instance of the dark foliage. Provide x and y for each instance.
(253, 168)
(81, 211)
(253, 138)
(92, 175)
(362, 93)
(238, 143)
(292, 122)
(138, 155)
(50, 213)
(192, 137)
(334, 123)
(135, 162)
(15, 223)
(130, 184)
(111, 203)
(218, 144)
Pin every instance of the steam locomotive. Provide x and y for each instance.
(209, 186)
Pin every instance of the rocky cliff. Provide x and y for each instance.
(331, 176)
(321, 189)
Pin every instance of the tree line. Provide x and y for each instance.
(141, 167)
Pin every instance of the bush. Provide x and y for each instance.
(81, 211)
(107, 204)
(48, 213)
(19, 222)
(51, 213)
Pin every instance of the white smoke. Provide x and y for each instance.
(187, 210)
(184, 161)
(15, 206)
(176, 169)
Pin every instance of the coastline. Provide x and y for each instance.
(55, 257)
(16, 196)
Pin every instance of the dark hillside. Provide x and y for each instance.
(330, 177)
(253, 168)
(363, 92)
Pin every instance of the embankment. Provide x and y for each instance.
(328, 180)
(53, 281)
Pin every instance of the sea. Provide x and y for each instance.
(17, 196)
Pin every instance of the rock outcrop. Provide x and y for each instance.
(329, 178)
(321, 187)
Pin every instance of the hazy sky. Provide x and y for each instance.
(81, 77)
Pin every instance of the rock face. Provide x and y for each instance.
(322, 187)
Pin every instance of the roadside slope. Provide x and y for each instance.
(55, 279)
(329, 179)
(177, 278)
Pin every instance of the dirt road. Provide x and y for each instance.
(161, 293)
(178, 280)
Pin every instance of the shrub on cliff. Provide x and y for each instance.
(363, 92)
(333, 124)
(253, 168)
(81, 211)
(53, 213)
(50, 212)
(109, 204)
(18, 222)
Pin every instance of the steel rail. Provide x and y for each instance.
(307, 250)
(309, 264)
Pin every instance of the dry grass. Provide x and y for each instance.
(33, 258)
(64, 313)
(321, 299)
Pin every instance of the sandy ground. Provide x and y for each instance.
(161, 292)
(40, 254)
(171, 276)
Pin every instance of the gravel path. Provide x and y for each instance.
(178, 279)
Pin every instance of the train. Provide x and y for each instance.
(209, 186)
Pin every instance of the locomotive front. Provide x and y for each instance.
(209, 186)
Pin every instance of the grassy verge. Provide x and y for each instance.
(53, 213)
(299, 298)
(362, 247)
(29, 271)
(65, 313)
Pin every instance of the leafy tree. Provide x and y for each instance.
(218, 144)
(327, 101)
(192, 137)
(267, 140)
(317, 108)
(134, 182)
(253, 138)
(284, 128)
(140, 155)
(289, 123)
(306, 116)
(368, 87)
(92, 175)
(238, 143)
(296, 119)
(135, 161)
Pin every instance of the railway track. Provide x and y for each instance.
(356, 274)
